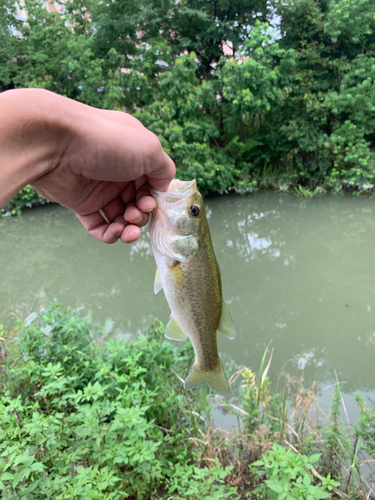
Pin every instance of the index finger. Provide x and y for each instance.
(145, 202)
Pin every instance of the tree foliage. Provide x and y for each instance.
(10, 45)
(330, 125)
(234, 100)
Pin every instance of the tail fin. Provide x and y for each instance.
(216, 380)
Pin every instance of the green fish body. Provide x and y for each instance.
(190, 276)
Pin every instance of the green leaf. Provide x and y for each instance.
(274, 486)
(38, 467)
(6, 476)
(20, 459)
(307, 480)
(315, 458)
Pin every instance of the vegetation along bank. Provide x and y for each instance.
(242, 94)
(93, 418)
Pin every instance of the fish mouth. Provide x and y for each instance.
(177, 191)
(180, 187)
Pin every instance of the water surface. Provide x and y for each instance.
(298, 274)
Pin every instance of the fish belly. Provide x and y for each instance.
(193, 292)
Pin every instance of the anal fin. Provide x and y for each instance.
(174, 330)
(158, 285)
(226, 325)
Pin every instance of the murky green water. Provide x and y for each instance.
(298, 273)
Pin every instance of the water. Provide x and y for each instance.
(298, 274)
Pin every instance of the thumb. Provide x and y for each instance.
(161, 177)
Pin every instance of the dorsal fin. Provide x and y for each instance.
(158, 285)
(226, 325)
(174, 330)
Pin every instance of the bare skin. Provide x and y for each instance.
(83, 158)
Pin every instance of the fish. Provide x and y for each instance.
(188, 272)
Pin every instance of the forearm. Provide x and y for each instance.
(32, 128)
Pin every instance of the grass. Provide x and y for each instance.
(87, 418)
(294, 420)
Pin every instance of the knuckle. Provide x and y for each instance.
(154, 146)
(172, 168)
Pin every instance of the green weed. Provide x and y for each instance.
(88, 420)
(86, 417)
(288, 476)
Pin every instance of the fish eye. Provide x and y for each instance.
(194, 210)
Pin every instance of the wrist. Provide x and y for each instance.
(33, 130)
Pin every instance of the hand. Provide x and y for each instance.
(95, 161)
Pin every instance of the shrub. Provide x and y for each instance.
(90, 420)
(28, 197)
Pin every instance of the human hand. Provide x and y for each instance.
(95, 162)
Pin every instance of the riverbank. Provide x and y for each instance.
(27, 198)
(108, 418)
(295, 185)
(297, 272)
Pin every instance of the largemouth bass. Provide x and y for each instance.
(188, 272)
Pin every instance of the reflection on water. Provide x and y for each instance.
(298, 273)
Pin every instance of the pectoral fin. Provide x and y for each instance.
(226, 325)
(186, 246)
(174, 330)
(158, 285)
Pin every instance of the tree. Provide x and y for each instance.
(52, 50)
(298, 103)
(199, 26)
(329, 119)
(10, 44)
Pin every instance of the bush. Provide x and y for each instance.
(86, 417)
(28, 197)
(289, 105)
(90, 420)
(288, 476)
